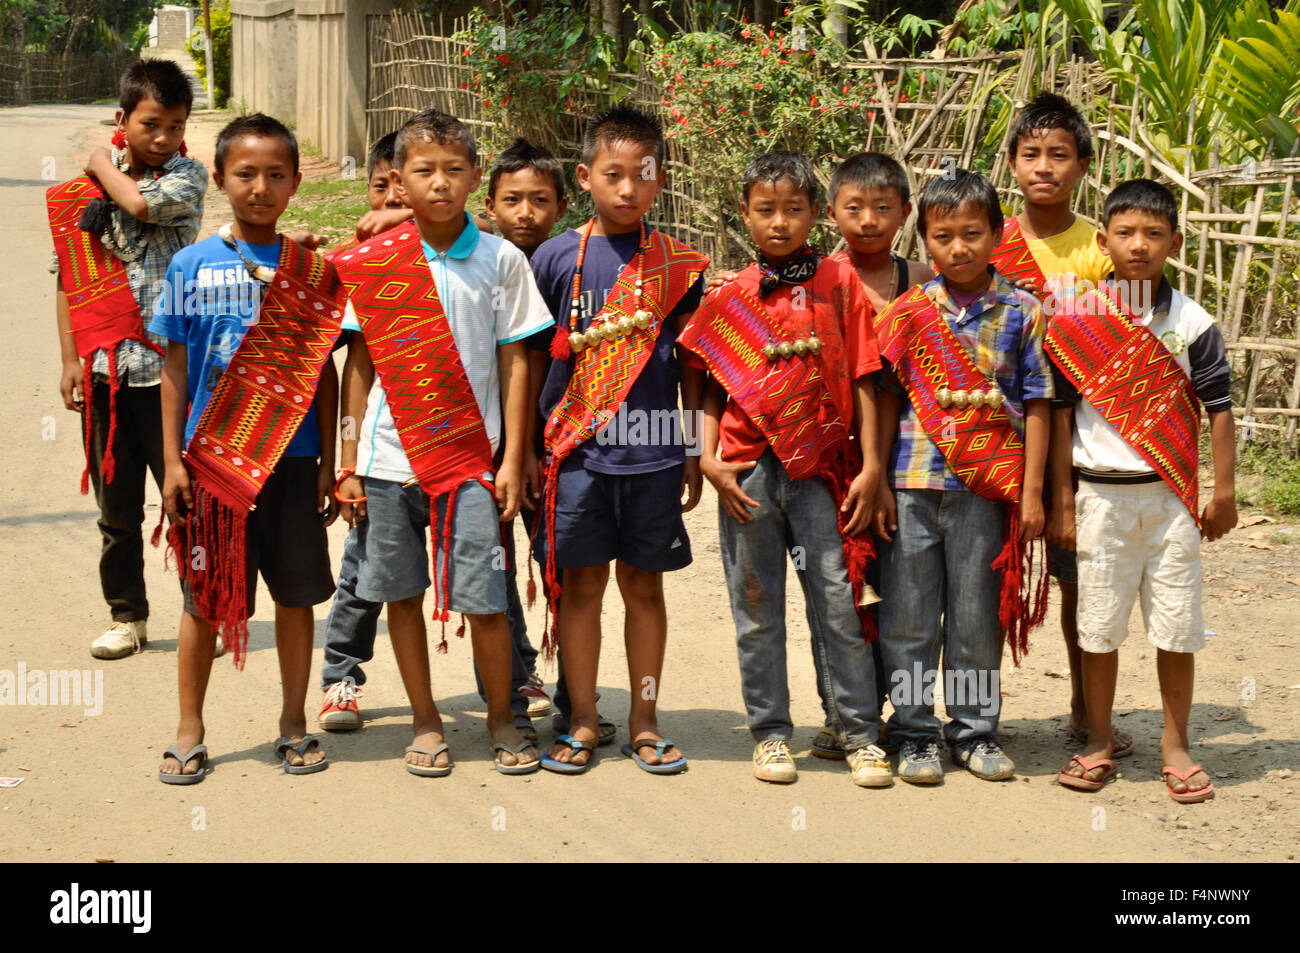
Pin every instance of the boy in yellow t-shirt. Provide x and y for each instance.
(1050, 148)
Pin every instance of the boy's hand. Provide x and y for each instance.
(381, 220)
(96, 157)
(1031, 516)
(177, 497)
(860, 502)
(306, 240)
(886, 518)
(352, 489)
(532, 477)
(70, 385)
(326, 505)
(692, 483)
(509, 486)
(1061, 526)
(719, 278)
(1026, 284)
(1220, 516)
(725, 478)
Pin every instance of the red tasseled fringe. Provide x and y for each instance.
(442, 582)
(859, 550)
(88, 398)
(158, 530)
(550, 635)
(109, 469)
(560, 349)
(1022, 605)
(220, 586)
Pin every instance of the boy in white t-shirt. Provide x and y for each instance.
(1131, 362)
(402, 376)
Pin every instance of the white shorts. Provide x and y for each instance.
(1137, 540)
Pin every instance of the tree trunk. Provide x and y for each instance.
(207, 55)
(763, 12)
(611, 20)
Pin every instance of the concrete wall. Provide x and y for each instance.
(172, 26)
(305, 62)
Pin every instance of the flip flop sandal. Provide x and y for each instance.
(660, 746)
(528, 768)
(827, 745)
(1068, 780)
(1121, 751)
(1189, 796)
(432, 771)
(198, 751)
(561, 726)
(568, 767)
(301, 747)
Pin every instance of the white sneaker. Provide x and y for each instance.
(772, 762)
(870, 767)
(220, 649)
(120, 640)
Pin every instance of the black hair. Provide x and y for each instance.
(777, 165)
(381, 151)
(1050, 111)
(432, 125)
(521, 155)
(956, 188)
(871, 170)
(622, 124)
(157, 79)
(1142, 195)
(255, 125)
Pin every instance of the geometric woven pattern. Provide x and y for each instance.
(1134, 382)
(1014, 261)
(789, 399)
(979, 444)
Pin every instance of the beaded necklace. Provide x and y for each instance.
(262, 273)
(578, 340)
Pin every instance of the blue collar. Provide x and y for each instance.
(462, 247)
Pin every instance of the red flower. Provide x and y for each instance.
(762, 132)
(871, 115)
(504, 58)
(763, 51)
(758, 85)
(464, 85)
(813, 101)
(845, 89)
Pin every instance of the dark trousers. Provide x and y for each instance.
(137, 451)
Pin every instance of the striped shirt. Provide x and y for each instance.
(174, 203)
(1003, 331)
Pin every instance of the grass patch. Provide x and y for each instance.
(329, 207)
(1274, 478)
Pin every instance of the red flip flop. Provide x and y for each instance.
(1189, 796)
(1086, 784)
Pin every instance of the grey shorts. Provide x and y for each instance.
(396, 563)
(1062, 564)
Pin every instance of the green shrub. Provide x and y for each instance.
(221, 55)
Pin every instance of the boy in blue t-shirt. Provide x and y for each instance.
(211, 296)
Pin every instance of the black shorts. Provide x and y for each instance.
(286, 540)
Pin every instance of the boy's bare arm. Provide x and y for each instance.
(1060, 517)
(1221, 512)
(860, 502)
(512, 360)
(538, 362)
(174, 396)
(72, 378)
(327, 412)
(358, 375)
(117, 185)
(725, 477)
(1037, 436)
(381, 220)
(693, 382)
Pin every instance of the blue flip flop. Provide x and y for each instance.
(660, 746)
(568, 767)
(301, 747)
(198, 751)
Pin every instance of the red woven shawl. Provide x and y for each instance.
(1013, 259)
(102, 306)
(255, 409)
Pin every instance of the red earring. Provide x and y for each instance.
(183, 150)
(119, 138)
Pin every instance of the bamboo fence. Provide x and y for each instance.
(36, 77)
(1241, 254)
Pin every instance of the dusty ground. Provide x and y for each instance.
(89, 788)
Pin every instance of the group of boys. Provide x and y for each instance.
(888, 426)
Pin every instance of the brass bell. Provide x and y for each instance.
(609, 330)
(592, 336)
(977, 398)
(960, 399)
(577, 341)
(869, 596)
(800, 348)
(769, 351)
(994, 399)
(625, 325)
(785, 349)
(944, 396)
(814, 345)
(642, 319)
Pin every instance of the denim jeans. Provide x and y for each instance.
(523, 657)
(796, 517)
(940, 593)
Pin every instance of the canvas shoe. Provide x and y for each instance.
(984, 758)
(338, 710)
(918, 762)
(539, 703)
(870, 767)
(120, 640)
(772, 762)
